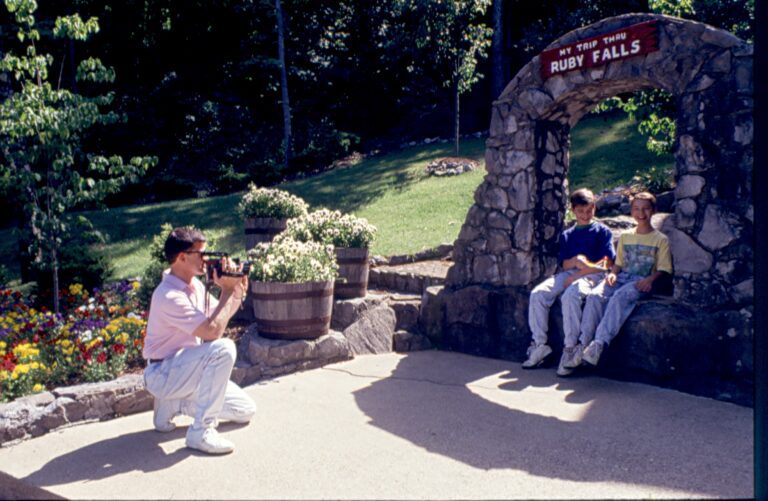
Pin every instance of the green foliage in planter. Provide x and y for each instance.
(289, 261)
(331, 228)
(265, 202)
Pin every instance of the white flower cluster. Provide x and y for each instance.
(289, 261)
(265, 202)
(331, 228)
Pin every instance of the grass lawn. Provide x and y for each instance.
(411, 210)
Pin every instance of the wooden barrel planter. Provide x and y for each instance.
(262, 229)
(353, 272)
(292, 311)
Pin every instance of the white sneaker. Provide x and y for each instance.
(572, 356)
(163, 413)
(562, 368)
(536, 355)
(592, 352)
(209, 441)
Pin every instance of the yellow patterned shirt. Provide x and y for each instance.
(643, 254)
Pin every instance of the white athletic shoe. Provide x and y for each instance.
(536, 355)
(592, 352)
(209, 441)
(572, 356)
(562, 369)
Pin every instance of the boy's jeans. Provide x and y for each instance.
(544, 295)
(198, 378)
(607, 308)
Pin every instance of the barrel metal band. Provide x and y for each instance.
(282, 324)
(351, 260)
(348, 285)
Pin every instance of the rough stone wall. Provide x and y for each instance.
(508, 242)
(510, 234)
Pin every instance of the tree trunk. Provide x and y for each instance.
(55, 264)
(283, 84)
(72, 67)
(497, 47)
(456, 116)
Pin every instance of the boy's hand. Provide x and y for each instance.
(644, 285)
(582, 262)
(610, 279)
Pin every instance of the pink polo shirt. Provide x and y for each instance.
(177, 309)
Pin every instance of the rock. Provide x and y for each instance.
(451, 166)
(687, 256)
(406, 310)
(431, 313)
(373, 332)
(133, 402)
(269, 357)
(347, 311)
(716, 232)
(406, 341)
(244, 373)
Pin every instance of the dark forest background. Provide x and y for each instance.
(198, 82)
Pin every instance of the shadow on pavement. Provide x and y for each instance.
(140, 451)
(584, 429)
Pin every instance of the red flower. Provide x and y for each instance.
(119, 348)
(101, 358)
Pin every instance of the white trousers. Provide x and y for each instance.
(198, 380)
(544, 295)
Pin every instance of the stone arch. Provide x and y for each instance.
(510, 234)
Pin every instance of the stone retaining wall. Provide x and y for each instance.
(363, 325)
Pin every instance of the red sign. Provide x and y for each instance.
(627, 42)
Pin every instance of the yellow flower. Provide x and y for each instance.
(37, 388)
(135, 285)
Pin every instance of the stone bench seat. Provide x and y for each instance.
(663, 342)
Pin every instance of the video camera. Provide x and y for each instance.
(213, 261)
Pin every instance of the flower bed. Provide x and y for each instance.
(96, 337)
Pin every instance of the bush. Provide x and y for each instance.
(331, 228)
(81, 260)
(265, 202)
(289, 261)
(656, 180)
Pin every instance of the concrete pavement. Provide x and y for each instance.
(429, 424)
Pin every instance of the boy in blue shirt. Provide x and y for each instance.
(586, 251)
(643, 257)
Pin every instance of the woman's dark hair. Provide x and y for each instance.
(180, 240)
(582, 196)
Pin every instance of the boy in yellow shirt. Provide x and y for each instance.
(643, 257)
